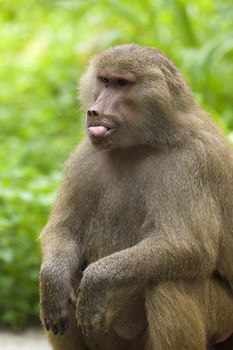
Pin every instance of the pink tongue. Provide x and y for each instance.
(97, 131)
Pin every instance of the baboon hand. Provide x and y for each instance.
(56, 299)
(91, 303)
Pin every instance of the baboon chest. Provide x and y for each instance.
(119, 220)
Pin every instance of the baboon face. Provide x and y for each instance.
(127, 98)
(114, 109)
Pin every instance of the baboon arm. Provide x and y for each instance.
(155, 260)
(60, 253)
(60, 249)
(60, 262)
(59, 238)
(159, 257)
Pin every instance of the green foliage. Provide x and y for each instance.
(44, 47)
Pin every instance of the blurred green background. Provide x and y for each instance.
(44, 47)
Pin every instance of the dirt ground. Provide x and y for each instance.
(32, 339)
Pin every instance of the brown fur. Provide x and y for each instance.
(144, 217)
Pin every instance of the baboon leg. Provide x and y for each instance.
(174, 319)
(221, 302)
(189, 315)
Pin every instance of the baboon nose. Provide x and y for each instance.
(92, 113)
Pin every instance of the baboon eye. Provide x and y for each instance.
(104, 80)
(122, 82)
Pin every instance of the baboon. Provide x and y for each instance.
(138, 250)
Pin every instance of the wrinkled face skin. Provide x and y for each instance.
(128, 98)
(114, 109)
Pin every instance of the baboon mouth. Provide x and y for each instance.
(100, 131)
